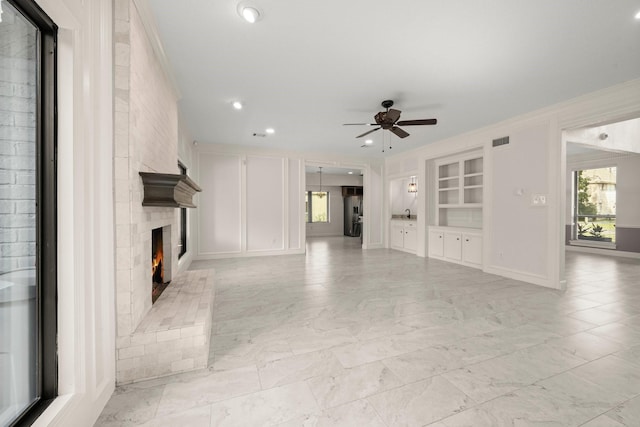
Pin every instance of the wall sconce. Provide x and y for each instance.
(413, 186)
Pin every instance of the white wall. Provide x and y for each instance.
(86, 306)
(522, 241)
(401, 199)
(250, 203)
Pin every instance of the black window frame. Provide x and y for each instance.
(46, 210)
(183, 219)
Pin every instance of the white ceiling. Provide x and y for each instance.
(308, 67)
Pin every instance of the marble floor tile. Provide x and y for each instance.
(358, 413)
(195, 417)
(598, 316)
(249, 354)
(505, 411)
(631, 355)
(618, 332)
(420, 403)
(602, 421)
(612, 374)
(628, 413)
(206, 389)
(315, 341)
(344, 337)
(352, 384)
(570, 399)
(299, 368)
(131, 409)
(265, 408)
(585, 345)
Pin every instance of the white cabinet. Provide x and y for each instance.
(453, 245)
(436, 243)
(472, 248)
(462, 246)
(396, 239)
(410, 237)
(403, 236)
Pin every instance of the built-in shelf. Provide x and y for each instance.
(460, 183)
(168, 190)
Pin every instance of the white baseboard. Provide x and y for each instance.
(523, 277)
(210, 256)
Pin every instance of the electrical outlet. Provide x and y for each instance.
(538, 200)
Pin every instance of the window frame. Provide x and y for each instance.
(46, 210)
(575, 215)
(183, 219)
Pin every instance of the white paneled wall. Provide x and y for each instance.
(220, 215)
(249, 205)
(295, 215)
(265, 204)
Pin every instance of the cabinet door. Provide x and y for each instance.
(396, 239)
(472, 248)
(436, 243)
(410, 237)
(453, 245)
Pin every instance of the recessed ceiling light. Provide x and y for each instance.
(270, 130)
(250, 13)
(350, 173)
(369, 141)
(237, 105)
(638, 15)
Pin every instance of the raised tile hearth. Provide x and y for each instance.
(175, 335)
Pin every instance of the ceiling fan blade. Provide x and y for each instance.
(367, 133)
(359, 124)
(399, 132)
(392, 116)
(417, 122)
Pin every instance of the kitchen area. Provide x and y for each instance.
(403, 232)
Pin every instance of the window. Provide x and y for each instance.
(317, 206)
(594, 213)
(183, 220)
(28, 354)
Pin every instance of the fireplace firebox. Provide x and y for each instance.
(160, 261)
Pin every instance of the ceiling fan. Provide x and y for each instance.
(389, 120)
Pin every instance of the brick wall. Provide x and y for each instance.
(17, 145)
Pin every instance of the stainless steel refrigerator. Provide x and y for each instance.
(352, 214)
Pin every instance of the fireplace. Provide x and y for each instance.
(160, 261)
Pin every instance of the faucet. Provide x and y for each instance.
(408, 211)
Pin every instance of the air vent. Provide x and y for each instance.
(501, 141)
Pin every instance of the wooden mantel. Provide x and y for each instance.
(168, 190)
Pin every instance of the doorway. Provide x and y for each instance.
(334, 203)
(602, 210)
